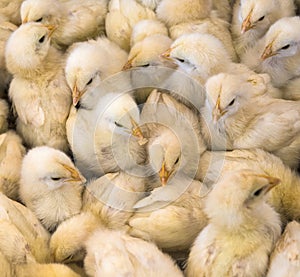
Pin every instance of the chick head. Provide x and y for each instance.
(45, 168)
(198, 54)
(28, 47)
(283, 38)
(238, 197)
(44, 11)
(226, 93)
(257, 15)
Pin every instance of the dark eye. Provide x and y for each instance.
(117, 124)
(180, 60)
(39, 20)
(232, 102)
(145, 65)
(42, 39)
(261, 19)
(285, 47)
(258, 192)
(89, 82)
(55, 178)
(177, 160)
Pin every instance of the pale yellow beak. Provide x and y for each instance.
(217, 112)
(25, 20)
(128, 64)
(51, 29)
(167, 54)
(268, 52)
(137, 132)
(247, 25)
(273, 181)
(76, 94)
(75, 175)
(164, 174)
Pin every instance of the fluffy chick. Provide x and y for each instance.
(11, 154)
(250, 118)
(10, 10)
(52, 189)
(278, 52)
(173, 12)
(72, 20)
(120, 254)
(242, 228)
(251, 19)
(39, 92)
(122, 16)
(285, 257)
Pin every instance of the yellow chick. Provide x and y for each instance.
(122, 16)
(11, 155)
(121, 255)
(40, 95)
(242, 229)
(285, 257)
(53, 188)
(72, 20)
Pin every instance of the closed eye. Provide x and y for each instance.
(145, 65)
(55, 178)
(261, 19)
(177, 160)
(39, 20)
(232, 102)
(180, 60)
(89, 82)
(285, 47)
(117, 124)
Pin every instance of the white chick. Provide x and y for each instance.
(251, 19)
(52, 189)
(36, 236)
(44, 270)
(283, 197)
(171, 216)
(11, 154)
(210, 25)
(250, 118)
(72, 20)
(6, 28)
(122, 16)
(175, 141)
(242, 229)
(107, 201)
(285, 257)
(121, 255)
(278, 52)
(146, 28)
(173, 12)
(10, 10)
(39, 92)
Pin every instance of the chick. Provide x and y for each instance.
(291, 90)
(242, 228)
(6, 28)
(39, 92)
(6, 267)
(285, 257)
(4, 113)
(26, 223)
(278, 52)
(223, 9)
(11, 154)
(250, 118)
(120, 255)
(10, 10)
(145, 28)
(73, 20)
(251, 19)
(173, 12)
(44, 270)
(122, 16)
(151, 4)
(52, 189)
(171, 216)
(107, 202)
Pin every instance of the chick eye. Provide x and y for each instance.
(145, 65)
(89, 82)
(55, 178)
(258, 192)
(232, 102)
(39, 20)
(180, 60)
(42, 39)
(177, 160)
(261, 19)
(117, 124)
(285, 47)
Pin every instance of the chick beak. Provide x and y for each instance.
(267, 52)
(164, 174)
(217, 112)
(51, 29)
(272, 182)
(128, 65)
(75, 175)
(76, 95)
(25, 20)
(247, 25)
(137, 132)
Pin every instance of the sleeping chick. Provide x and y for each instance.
(72, 20)
(121, 255)
(39, 92)
(242, 228)
(52, 188)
